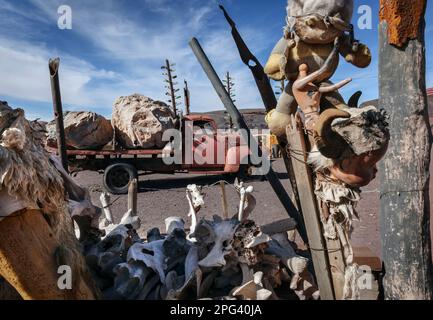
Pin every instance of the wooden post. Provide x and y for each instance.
(224, 200)
(308, 202)
(132, 197)
(404, 173)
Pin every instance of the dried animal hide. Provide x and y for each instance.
(25, 169)
(27, 175)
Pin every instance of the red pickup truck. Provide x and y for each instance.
(120, 166)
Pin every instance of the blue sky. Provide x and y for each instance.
(116, 47)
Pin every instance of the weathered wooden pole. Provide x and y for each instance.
(224, 200)
(132, 197)
(404, 173)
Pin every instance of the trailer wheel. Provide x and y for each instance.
(118, 176)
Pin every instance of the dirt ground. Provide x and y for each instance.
(162, 196)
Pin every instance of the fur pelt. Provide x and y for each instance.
(27, 173)
(25, 169)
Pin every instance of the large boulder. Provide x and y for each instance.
(83, 130)
(140, 121)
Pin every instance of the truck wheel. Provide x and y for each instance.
(118, 176)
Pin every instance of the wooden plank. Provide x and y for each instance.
(308, 202)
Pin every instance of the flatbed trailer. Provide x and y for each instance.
(120, 166)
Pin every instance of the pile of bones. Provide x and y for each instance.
(223, 259)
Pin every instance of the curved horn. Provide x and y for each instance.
(354, 100)
(301, 83)
(329, 143)
(335, 87)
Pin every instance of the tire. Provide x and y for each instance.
(118, 176)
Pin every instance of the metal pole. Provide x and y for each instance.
(262, 80)
(241, 124)
(53, 65)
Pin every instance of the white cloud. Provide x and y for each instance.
(137, 49)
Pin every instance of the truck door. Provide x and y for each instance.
(205, 145)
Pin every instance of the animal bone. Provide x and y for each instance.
(247, 201)
(220, 234)
(154, 235)
(172, 223)
(175, 247)
(288, 256)
(147, 289)
(304, 286)
(191, 261)
(129, 280)
(152, 255)
(195, 199)
(112, 249)
(249, 242)
(254, 289)
(105, 201)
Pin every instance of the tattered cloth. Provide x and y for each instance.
(340, 201)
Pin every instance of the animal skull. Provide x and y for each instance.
(219, 234)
